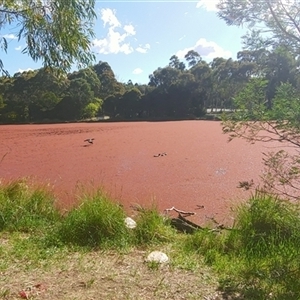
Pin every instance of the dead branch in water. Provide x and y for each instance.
(181, 212)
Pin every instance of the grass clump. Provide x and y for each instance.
(26, 208)
(96, 222)
(152, 227)
(259, 257)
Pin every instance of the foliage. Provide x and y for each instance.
(254, 122)
(272, 22)
(173, 92)
(95, 222)
(91, 110)
(258, 258)
(57, 32)
(26, 208)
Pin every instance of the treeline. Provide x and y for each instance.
(179, 90)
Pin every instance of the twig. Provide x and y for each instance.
(182, 212)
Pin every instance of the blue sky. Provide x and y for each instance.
(137, 37)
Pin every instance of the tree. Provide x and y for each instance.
(108, 81)
(164, 76)
(176, 63)
(192, 57)
(257, 118)
(280, 20)
(129, 105)
(57, 32)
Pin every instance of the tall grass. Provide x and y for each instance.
(96, 222)
(27, 208)
(259, 258)
(152, 227)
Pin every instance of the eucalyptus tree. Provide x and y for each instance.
(77, 96)
(255, 119)
(129, 105)
(203, 88)
(108, 81)
(89, 75)
(58, 33)
(270, 22)
(176, 63)
(192, 57)
(18, 98)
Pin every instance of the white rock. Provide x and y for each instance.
(158, 257)
(130, 223)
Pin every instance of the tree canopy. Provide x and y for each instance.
(270, 22)
(58, 33)
(268, 105)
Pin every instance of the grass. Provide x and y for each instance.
(25, 207)
(152, 228)
(257, 258)
(96, 222)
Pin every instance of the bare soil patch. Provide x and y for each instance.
(199, 166)
(97, 275)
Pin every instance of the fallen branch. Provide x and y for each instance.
(181, 223)
(181, 212)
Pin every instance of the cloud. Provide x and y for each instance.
(10, 36)
(22, 70)
(207, 49)
(108, 16)
(18, 48)
(137, 71)
(143, 49)
(129, 29)
(209, 5)
(116, 40)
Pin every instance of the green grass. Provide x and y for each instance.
(25, 207)
(152, 228)
(96, 222)
(258, 258)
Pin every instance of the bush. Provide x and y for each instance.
(96, 222)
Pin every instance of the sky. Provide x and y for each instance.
(137, 37)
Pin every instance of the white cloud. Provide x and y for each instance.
(137, 71)
(22, 70)
(129, 29)
(114, 42)
(207, 49)
(143, 49)
(10, 36)
(209, 5)
(108, 16)
(18, 48)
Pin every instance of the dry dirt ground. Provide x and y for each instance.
(96, 275)
(200, 167)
